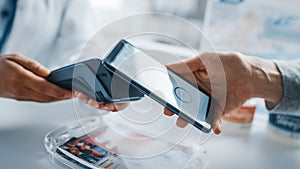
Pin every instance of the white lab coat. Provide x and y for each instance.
(52, 32)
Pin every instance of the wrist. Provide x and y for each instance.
(266, 80)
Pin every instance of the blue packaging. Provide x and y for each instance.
(285, 128)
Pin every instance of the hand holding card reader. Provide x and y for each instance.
(155, 80)
(92, 79)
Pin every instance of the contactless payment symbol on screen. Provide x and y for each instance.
(182, 94)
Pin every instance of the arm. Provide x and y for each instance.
(245, 77)
(290, 76)
(266, 79)
(278, 83)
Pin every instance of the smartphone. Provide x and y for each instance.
(92, 78)
(154, 79)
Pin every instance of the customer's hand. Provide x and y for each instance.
(23, 79)
(245, 77)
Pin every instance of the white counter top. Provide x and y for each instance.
(22, 130)
(24, 125)
(255, 150)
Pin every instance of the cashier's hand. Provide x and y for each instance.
(238, 83)
(23, 79)
(97, 105)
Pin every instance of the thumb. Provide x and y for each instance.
(186, 66)
(30, 65)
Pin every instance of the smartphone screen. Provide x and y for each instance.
(160, 84)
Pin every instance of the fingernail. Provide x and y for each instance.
(44, 70)
(218, 129)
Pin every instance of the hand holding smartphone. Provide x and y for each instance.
(155, 80)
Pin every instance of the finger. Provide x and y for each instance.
(187, 69)
(181, 123)
(109, 107)
(112, 107)
(168, 112)
(217, 123)
(121, 106)
(186, 66)
(39, 84)
(93, 103)
(29, 95)
(30, 65)
(76, 93)
(82, 97)
(218, 128)
(101, 106)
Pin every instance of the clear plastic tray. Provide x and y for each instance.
(180, 156)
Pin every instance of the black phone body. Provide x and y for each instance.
(180, 97)
(95, 81)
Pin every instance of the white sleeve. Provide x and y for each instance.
(76, 28)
